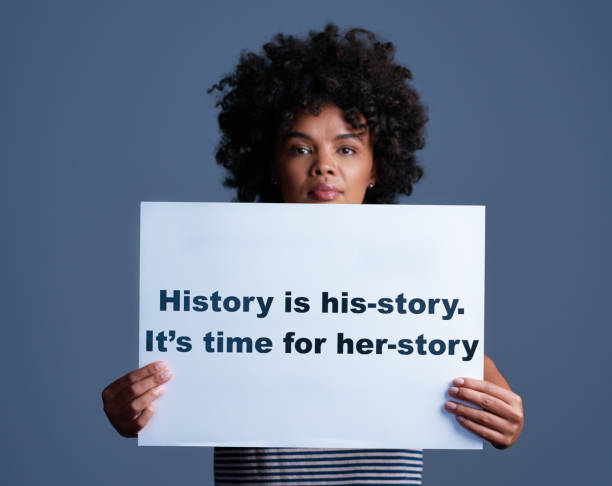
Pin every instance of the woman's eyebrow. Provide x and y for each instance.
(338, 137)
(289, 135)
(351, 135)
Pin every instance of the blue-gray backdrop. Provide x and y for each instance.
(104, 105)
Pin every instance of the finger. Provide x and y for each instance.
(489, 388)
(131, 428)
(482, 431)
(144, 418)
(484, 401)
(139, 388)
(136, 406)
(480, 416)
(116, 386)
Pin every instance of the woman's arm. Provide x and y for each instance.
(500, 416)
(492, 374)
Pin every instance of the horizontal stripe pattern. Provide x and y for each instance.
(303, 467)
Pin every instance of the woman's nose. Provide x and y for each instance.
(323, 164)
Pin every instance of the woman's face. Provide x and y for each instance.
(323, 159)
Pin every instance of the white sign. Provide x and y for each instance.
(306, 325)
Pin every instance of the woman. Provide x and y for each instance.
(326, 119)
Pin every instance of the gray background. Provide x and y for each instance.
(104, 105)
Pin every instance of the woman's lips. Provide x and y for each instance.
(324, 192)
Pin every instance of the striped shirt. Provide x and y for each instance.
(303, 467)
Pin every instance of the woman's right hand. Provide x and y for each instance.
(128, 401)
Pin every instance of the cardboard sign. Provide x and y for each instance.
(306, 325)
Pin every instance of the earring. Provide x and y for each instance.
(371, 185)
(274, 182)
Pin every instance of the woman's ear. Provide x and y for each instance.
(373, 174)
(273, 176)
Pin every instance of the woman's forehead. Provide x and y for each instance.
(330, 117)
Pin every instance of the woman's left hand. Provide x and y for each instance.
(500, 416)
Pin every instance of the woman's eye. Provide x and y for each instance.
(299, 150)
(347, 150)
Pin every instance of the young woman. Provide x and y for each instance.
(326, 119)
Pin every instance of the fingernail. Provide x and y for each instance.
(159, 390)
(166, 375)
(460, 418)
(459, 381)
(160, 365)
(451, 405)
(453, 390)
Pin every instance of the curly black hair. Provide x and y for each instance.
(353, 70)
